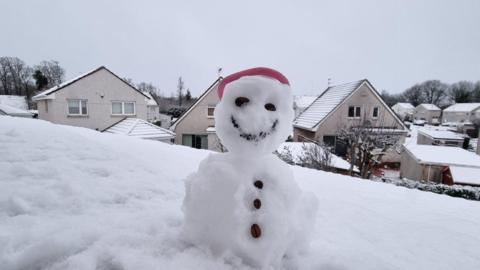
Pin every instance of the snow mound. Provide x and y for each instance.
(73, 198)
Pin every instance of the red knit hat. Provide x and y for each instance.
(258, 71)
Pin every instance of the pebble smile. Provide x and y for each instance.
(254, 137)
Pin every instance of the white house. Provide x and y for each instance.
(431, 163)
(96, 100)
(461, 112)
(404, 110)
(142, 129)
(428, 112)
(344, 106)
(196, 127)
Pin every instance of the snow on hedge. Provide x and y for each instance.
(73, 198)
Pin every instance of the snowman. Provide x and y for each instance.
(245, 203)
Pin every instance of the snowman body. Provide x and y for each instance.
(246, 202)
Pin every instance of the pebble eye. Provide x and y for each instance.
(270, 107)
(240, 101)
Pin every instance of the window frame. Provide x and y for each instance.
(80, 107)
(213, 112)
(354, 112)
(378, 112)
(123, 108)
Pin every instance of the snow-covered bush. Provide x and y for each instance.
(466, 192)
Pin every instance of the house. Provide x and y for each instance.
(441, 137)
(428, 162)
(196, 127)
(461, 112)
(142, 129)
(343, 106)
(300, 103)
(428, 112)
(153, 110)
(404, 110)
(96, 100)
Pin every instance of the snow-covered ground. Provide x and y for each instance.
(73, 198)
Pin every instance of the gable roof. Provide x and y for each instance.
(325, 104)
(404, 105)
(139, 128)
(330, 100)
(462, 107)
(209, 89)
(430, 107)
(45, 94)
(443, 155)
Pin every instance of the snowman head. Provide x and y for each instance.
(255, 112)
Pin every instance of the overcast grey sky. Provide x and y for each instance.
(392, 43)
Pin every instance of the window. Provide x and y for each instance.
(77, 107)
(195, 141)
(123, 108)
(375, 112)
(210, 111)
(354, 111)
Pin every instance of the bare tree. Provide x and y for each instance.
(476, 92)
(15, 77)
(5, 75)
(414, 95)
(367, 144)
(53, 71)
(461, 92)
(180, 87)
(392, 99)
(434, 91)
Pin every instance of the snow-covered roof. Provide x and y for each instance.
(303, 101)
(325, 104)
(465, 175)
(404, 105)
(140, 128)
(9, 110)
(443, 155)
(462, 107)
(297, 150)
(18, 102)
(211, 130)
(151, 101)
(430, 107)
(441, 134)
(45, 94)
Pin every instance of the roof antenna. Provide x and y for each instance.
(329, 82)
(219, 71)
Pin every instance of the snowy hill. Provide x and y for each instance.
(73, 198)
